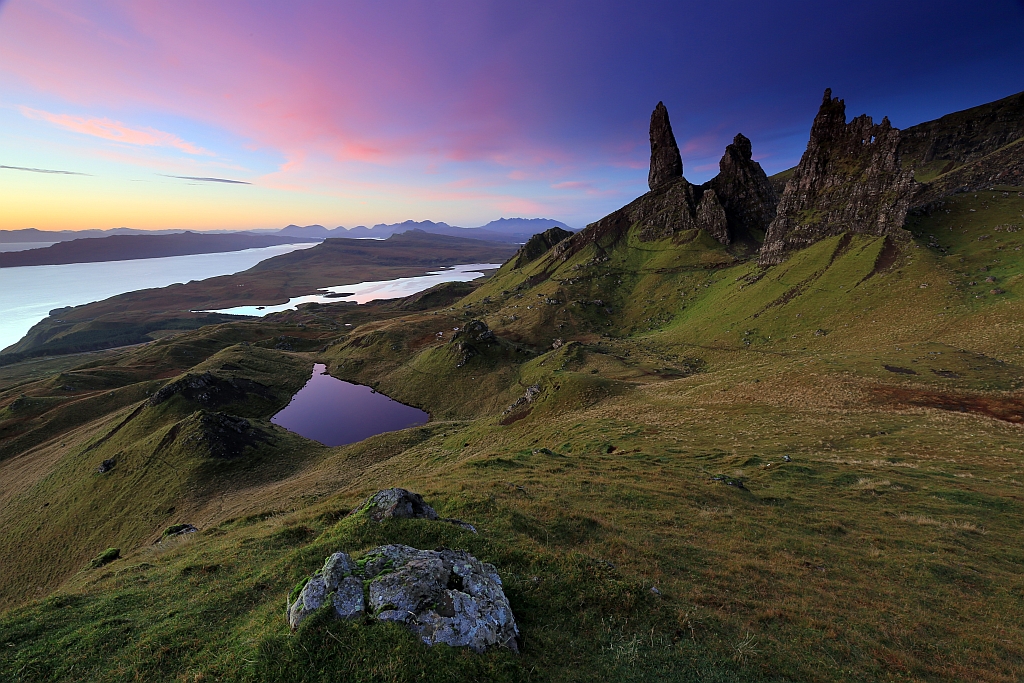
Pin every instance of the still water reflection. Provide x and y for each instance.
(335, 412)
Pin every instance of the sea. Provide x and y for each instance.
(364, 292)
(29, 293)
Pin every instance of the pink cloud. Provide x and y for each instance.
(116, 131)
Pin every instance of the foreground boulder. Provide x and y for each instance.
(443, 596)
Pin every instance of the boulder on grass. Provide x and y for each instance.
(442, 596)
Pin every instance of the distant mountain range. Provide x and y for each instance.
(502, 230)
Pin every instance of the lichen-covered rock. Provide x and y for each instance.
(443, 596)
(335, 580)
(666, 163)
(848, 180)
(396, 503)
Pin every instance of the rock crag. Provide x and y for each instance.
(666, 163)
(442, 596)
(848, 180)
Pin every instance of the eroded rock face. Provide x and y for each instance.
(666, 163)
(443, 596)
(849, 180)
(744, 191)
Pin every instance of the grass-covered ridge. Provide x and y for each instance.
(817, 465)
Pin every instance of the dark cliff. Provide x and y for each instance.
(848, 180)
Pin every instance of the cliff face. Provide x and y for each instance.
(848, 180)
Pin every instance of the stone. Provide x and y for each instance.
(442, 596)
(848, 180)
(335, 580)
(738, 203)
(396, 503)
(538, 245)
(666, 163)
(106, 465)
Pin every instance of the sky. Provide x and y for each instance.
(242, 114)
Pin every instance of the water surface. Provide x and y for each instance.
(24, 246)
(335, 412)
(362, 292)
(29, 293)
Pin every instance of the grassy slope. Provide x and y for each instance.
(888, 547)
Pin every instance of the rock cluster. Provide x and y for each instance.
(848, 180)
(742, 187)
(221, 435)
(442, 596)
(666, 163)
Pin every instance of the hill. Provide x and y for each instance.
(684, 465)
(129, 247)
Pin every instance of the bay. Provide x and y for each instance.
(29, 293)
(363, 292)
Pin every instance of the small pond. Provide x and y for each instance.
(335, 412)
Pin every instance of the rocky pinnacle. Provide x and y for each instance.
(848, 180)
(666, 164)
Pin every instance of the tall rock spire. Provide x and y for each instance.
(666, 164)
(848, 180)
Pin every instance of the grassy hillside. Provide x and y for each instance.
(817, 466)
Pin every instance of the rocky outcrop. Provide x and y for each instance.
(738, 202)
(442, 596)
(538, 245)
(848, 180)
(742, 187)
(711, 217)
(469, 340)
(220, 435)
(209, 390)
(666, 163)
